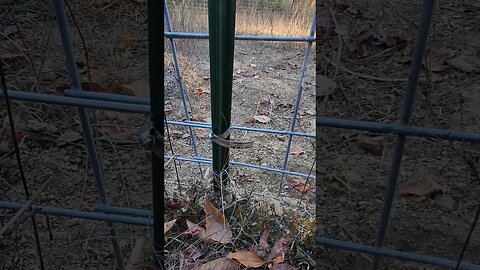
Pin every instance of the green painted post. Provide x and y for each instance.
(221, 24)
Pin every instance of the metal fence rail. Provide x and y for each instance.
(402, 130)
(75, 97)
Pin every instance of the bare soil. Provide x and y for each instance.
(370, 84)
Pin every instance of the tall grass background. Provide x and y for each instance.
(254, 17)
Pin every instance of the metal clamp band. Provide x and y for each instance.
(222, 141)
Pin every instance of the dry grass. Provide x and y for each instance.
(276, 18)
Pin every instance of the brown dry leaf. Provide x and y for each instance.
(391, 41)
(219, 264)
(426, 186)
(199, 91)
(262, 119)
(461, 63)
(168, 225)
(373, 145)
(281, 246)
(206, 78)
(281, 138)
(325, 86)
(279, 259)
(283, 266)
(195, 230)
(263, 242)
(436, 59)
(216, 224)
(94, 87)
(140, 88)
(263, 248)
(265, 100)
(68, 136)
(247, 258)
(302, 186)
(297, 151)
(119, 88)
(189, 258)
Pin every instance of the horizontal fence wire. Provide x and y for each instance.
(112, 102)
(394, 254)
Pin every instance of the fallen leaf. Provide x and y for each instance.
(264, 100)
(94, 87)
(281, 246)
(392, 41)
(140, 88)
(206, 78)
(436, 59)
(189, 258)
(283, 266)
(302, 186)
(425, 187)
(199, 91)
(247, 258)
(297, 151)
(168, 225)
(195, 230)
(216, 224)
(279, 259)
(119, 88)
(263, 242)
(281, 138)
(373, 145)
(19, 135)
(461, 63)
(68, 136)
(325, 86)
(263, 248)
(219, 264)
(262, 119)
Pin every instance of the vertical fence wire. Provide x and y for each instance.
(181, 87)
(420, 44)
(298, 101)
(85, 122)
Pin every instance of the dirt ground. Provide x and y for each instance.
(437, 194)
(52, 147)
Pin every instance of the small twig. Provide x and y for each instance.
(23, 209)
(373, 78)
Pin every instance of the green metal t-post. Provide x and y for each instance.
(221, 24)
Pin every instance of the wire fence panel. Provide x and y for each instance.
(402, 130)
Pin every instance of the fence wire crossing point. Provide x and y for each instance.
(402, 130)
(75, 97)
